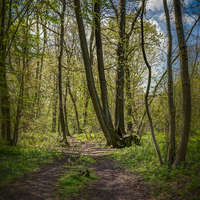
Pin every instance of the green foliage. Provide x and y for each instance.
(73, 180)
(91, 137)
(34, 150)
(177, 183)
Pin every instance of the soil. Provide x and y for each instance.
(114, 183)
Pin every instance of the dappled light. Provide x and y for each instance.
(99, 100)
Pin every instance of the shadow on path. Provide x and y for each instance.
(114, 182)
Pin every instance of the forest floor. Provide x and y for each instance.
(114, 183)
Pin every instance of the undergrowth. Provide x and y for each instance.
(91, 137)
(34, 149)
(76, 176)
(167, 183)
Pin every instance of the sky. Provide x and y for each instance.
(155, 13)
(155, 9)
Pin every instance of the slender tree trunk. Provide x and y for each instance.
(148, 87)
(75, 108)
(19, 104)
(128, 96)
(65, 112)
(41, 69)
(129, 112)
(102, 79)
(186, 117)
(85, 106)
(171, 149)
(38, 66)
(119, 85)
(2, 68)
(62, 121)
(86, 92)
(4, 94)
(55, 104)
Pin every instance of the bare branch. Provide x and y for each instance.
(128, 35)
(114, 8)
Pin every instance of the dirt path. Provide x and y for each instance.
(114, 184)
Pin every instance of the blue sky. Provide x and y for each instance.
(155, 9)
(155, 13)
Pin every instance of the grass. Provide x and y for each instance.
(180, 183)
(34, 150)
(74, 180)
(91, 137)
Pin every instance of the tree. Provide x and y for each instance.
(109, 133)
(186, 116)
(171, 151)
(148, 87)
(5, 99)
(119, 86)
(75, 106)
(60, 104)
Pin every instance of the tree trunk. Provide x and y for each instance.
(85, 106)
(148, 87)
(41, 69)
(129, 112)
(100, 62)
(55, 104)
(109, 133)
(65, 112)
(19, 104)
(128, 96)
(86, 92)
(186, 117)
(75, 108)
(5, 99)
(119, 85)
(171, 149)
(38, 65)
(62, 121)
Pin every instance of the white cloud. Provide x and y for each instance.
(158, 4)
(188, 20)
(154, 5)
(158, 27)
(161, 16)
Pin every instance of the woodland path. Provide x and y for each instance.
(114, 182)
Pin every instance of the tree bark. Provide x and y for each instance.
(62, 121)
(102, 79)
(55, 104)
(186, 116)
(75, 108)
(65, 112)
(119, 85)
(41, 69)
(5, 99)
(171, 147)
(85, 105)
(148, 87)
(21, 89)
(129, 112)
(109, 133)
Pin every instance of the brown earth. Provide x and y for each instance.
(114, 184)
